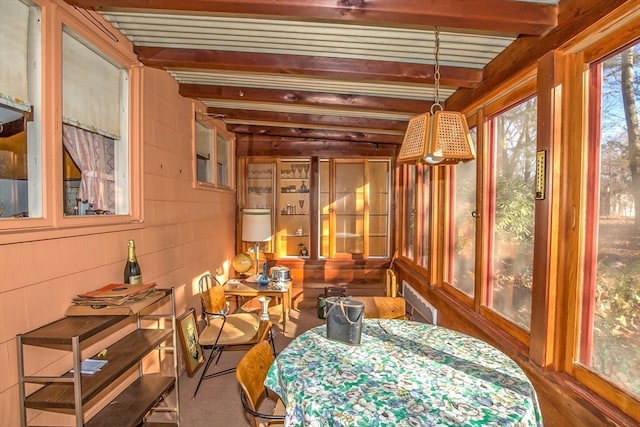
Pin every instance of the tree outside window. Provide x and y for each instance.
(511, 267)
(464, 214)
(610, 331)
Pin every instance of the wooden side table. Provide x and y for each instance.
(244, 288)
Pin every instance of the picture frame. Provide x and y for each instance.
(188, 335)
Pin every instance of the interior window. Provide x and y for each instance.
(223, 161)
(513, 134)
(20, 185)
(95, 130)
(204, 153)
(610, 334)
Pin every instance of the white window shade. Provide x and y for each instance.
(14, 33)
(90, 89)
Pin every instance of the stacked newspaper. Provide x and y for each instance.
(115, 294)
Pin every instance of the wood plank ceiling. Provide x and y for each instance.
(325, 70)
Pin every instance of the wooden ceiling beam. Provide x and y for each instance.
(504, 16)
(262, 145)
(296, 97)
(308, 120)
(315, 134)
(308, 66)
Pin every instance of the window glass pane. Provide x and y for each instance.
(410, 212)
(91, 158)
(96, 151)
(514, 139)
(223, 156)
(424, 214)
(14, 39)
(464, 240)
(20, 146)
(204, 143)
(610, 338)
(13, 164)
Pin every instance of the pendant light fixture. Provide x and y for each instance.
(437, 137)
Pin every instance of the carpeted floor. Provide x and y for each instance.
(218, 400)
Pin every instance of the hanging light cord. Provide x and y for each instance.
(436, 72)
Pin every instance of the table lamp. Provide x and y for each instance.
(256, 228)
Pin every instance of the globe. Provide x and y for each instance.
(242, 263)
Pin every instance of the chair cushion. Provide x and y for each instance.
(238, 329)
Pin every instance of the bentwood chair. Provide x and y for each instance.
(251, 373)
(224, 331)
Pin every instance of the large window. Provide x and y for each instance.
(610, 326)
(409, 211)
(20, 178)
(422, 210)
(513, 137)
(464, 240)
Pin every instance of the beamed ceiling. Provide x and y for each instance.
(325, 70)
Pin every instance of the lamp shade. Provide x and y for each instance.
(442, 137)
(256, 225)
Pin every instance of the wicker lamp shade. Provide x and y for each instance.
(439, 138)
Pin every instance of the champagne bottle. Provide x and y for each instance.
(132, 272)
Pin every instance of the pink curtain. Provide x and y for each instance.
(94, 155)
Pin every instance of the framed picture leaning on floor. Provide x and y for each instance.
(188, 334)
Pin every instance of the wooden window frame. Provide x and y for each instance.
(218, 130)
(581, 68)
(53, 223)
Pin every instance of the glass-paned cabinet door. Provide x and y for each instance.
(354, 208)
(293, 225)
(259, 191)
(324, 199)
(379, 182)
(326, 208)
(349, 209)
(260, 185)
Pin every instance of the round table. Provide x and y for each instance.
(403, 373)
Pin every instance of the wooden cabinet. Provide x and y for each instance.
(71, 393)
(342, 210)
